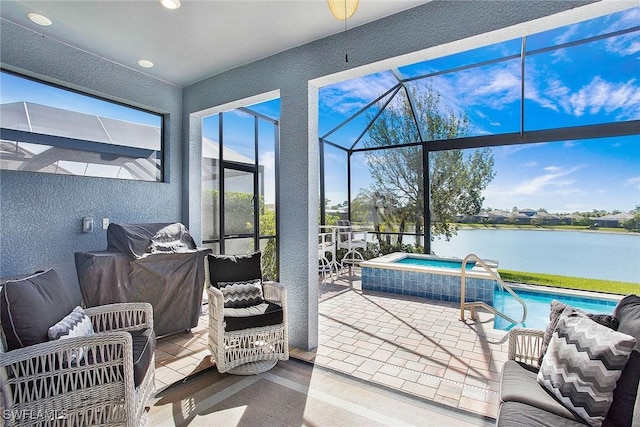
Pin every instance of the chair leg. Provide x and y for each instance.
(352, 257)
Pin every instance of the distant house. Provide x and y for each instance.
(520, 218)
(544, 218)
(612, 221)
(528, 212)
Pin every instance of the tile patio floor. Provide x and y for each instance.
(412, 345)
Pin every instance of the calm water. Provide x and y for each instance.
(606, 256)
(538, 306)
(442, 263)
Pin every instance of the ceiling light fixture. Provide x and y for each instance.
(170, 4)
(145, 63)
(39, 19)
(343, 10)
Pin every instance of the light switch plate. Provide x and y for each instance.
(87, 224)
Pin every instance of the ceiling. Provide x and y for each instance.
(200, 39)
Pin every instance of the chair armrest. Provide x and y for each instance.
(22, 368)
(216, 304)
(124, 316)
(275, 292)
(525, 346)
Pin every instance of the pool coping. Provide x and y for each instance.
(388, 262)
(565, 291)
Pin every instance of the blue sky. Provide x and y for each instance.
(587, 84)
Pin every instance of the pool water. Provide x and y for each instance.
(431, 262)
(538, 306)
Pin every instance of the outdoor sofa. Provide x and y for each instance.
(565, 376)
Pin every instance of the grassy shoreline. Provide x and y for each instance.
(566, 282)
(580, 228)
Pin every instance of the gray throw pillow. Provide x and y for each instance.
(583, 364)
(74, 324)
(556, 310)
(242, 294)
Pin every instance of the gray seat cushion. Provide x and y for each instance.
(520, 385)
(517, 414)
(144, 346)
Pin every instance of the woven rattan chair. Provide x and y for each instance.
(40, 386)
(525, 346)
(250, 340)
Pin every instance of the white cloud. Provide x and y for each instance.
(634, 182)
(349, 96)
(553, 179)
(552, 169)
(530, 164)
(606, 96)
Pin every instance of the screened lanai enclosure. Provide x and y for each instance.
(539, 130)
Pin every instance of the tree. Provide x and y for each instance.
(457, 179)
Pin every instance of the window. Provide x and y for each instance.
(49, 129)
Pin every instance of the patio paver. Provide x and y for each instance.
(414, 345)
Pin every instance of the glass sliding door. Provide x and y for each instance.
(239, 206)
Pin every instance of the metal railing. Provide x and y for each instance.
(472, 305)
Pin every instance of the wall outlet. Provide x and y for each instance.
(105, 223)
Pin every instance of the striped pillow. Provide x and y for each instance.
(74, 324)
(242, 294)
(583, 364)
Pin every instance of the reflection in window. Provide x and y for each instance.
(54, 130)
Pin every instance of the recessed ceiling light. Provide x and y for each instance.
(39, 19)
(170, 4)
(144, 63)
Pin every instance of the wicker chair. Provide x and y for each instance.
(525, 346)
(251, 340)
(41, 387)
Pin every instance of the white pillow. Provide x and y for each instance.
(74, 324)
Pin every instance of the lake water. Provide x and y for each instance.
(595, 255)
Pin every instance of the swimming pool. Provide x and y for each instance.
(428, 276)
(538, 305)
(435, 262)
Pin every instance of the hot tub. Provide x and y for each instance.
(428, 276)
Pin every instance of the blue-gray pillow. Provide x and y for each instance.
(30, 306)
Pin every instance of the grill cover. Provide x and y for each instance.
(157, 263)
